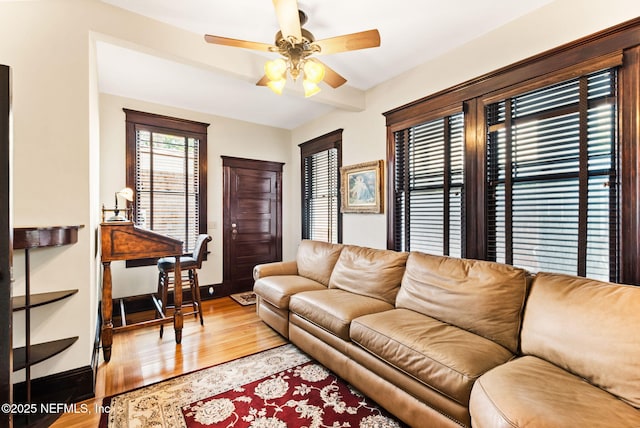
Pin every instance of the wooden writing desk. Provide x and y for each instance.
(123, 240)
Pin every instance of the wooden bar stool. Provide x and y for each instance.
(189, 265)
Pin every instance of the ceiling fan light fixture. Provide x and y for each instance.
(296, 44)
(313, 71)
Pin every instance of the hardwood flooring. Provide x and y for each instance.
(139, 357)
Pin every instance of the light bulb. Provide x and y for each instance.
(277, 85)
(275, 69)
(310, 88)
(313, 71)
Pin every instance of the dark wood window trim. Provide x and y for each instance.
(331, 140)
(573, 54)
(157, 123)
(629, 167)
(529, 197)
(576, 58)
(428, 181)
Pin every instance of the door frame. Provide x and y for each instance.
(6, 247)
(229, 163)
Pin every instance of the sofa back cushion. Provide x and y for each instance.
(369, 272)
(485, 298)
(316, 259)
(587, 327)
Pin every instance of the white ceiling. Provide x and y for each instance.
(412, 32)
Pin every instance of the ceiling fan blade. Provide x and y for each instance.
(288, 18)
(349, 42)
(331, 77)
(263, 81)
(217, 40)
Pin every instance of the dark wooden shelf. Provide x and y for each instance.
(27, 239)
(19, 302)
(38, 237)
(40, 352)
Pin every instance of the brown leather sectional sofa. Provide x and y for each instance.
(442, 342)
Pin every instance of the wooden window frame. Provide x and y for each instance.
(331, 140)
(406, 189)
(572, 59)
(518, 171)
(158, 123)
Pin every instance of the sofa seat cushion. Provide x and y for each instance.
(334, 309)
(529, 392)
(277, 290)
(439, 355)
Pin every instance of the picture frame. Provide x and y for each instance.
(361, 188)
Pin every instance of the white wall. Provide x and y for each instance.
(226, 137)
(364, 137)
(54, 144)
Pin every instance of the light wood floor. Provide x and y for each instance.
(139, 357)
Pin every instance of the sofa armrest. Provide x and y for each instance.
(275, 268)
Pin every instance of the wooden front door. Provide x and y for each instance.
(252, 219)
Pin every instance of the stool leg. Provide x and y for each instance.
(196, 295)
(164, 279)
(194, 302)
(159, 290)
(160, 286)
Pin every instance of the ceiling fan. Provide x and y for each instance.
(296, 46)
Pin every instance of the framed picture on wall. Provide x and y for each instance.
(361, 187)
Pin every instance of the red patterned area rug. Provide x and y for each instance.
(281, 387)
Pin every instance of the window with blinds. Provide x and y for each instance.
(551, 178)
(320, 164)
(166, 166)
(429, 187)
(167, 172)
